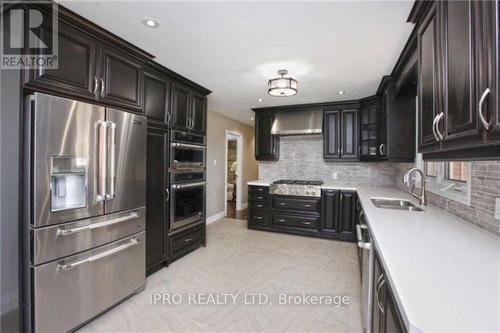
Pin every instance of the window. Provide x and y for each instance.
(431, 169)
(456, 171)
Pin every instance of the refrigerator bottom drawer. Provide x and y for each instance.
(71, 291)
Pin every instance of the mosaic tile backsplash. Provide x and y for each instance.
(301, 157)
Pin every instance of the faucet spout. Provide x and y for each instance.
(420, 196)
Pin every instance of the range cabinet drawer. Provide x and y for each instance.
(71, 291)
(311, 205)
(186, 241)
(63, 240)
(259, 204)
(258, 189)
(258, 217)
(295, 221)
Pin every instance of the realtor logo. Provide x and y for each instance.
(29, 35)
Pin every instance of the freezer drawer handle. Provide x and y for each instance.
(66, 267)
(66, 232)
(361, 243)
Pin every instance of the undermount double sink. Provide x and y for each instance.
(398, 204)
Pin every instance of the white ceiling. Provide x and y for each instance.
(233, 48)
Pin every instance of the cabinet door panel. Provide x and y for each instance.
(459, 73)
(76, 69)
(331, 135)
(199, 114)
(330, 210)
(349, 140)
(156, 96)
(180, 107)
(428, 78)
(347, 220)
(157, 207)
(122, 75)
(266, 145)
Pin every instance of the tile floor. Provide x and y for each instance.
(241, 261)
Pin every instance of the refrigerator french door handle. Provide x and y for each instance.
(112, 160)
(102, 129)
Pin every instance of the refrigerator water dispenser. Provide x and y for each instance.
(68, 183)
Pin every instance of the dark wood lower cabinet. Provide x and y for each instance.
(332, 216)
(157, 217)
(187, 240)
(386, 317)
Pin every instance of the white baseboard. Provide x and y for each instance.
(215, 217)
(244, 206)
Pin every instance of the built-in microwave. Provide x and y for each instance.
(185, 137)
(186, 156)
(187, 204)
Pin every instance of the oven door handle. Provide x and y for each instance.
(187, 145)
(176, 186)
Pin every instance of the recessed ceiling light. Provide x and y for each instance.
(341, 92)
(260, 100)
(150, 23)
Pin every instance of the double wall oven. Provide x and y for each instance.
(187, 179)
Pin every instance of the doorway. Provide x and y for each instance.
(233, 170)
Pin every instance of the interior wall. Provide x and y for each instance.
(217, 125)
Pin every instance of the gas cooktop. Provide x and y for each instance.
(301, 188)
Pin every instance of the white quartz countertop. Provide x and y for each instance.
(445, 272)
(260, 182)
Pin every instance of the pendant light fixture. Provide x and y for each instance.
(282, 86)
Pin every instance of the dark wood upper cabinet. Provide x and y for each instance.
(340, 134)
(157, 97)
(77, 55)
(458, 95)
(121, 78)
(460, 69)
(157, 199)
(180, 107)
(198, 113)
(331, 134)
(369, 130)
(266, 144)
(428, 81)
(349, 134)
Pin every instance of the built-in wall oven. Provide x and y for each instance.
(187, 204)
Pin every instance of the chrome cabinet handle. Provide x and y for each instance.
(188, 239)
(96, 85)
(307, 205)
(306, 223)
(258, 217)
(279, 203)
(440, 136)
(168, 194)
(102, 128)
(169, 118)
(487, 125)
(259, 206)
(102, 87)
(281, 220)
(188, 185)
(434, 128)
(379, 287)
(112, 160)
(66, 232)
(381, 149)
(65, 267)
(361, 215)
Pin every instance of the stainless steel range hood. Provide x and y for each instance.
(298, 122)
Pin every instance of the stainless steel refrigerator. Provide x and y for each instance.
(87, 198)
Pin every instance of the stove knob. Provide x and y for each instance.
(307, 192)
(313, 192)
(281, 191)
